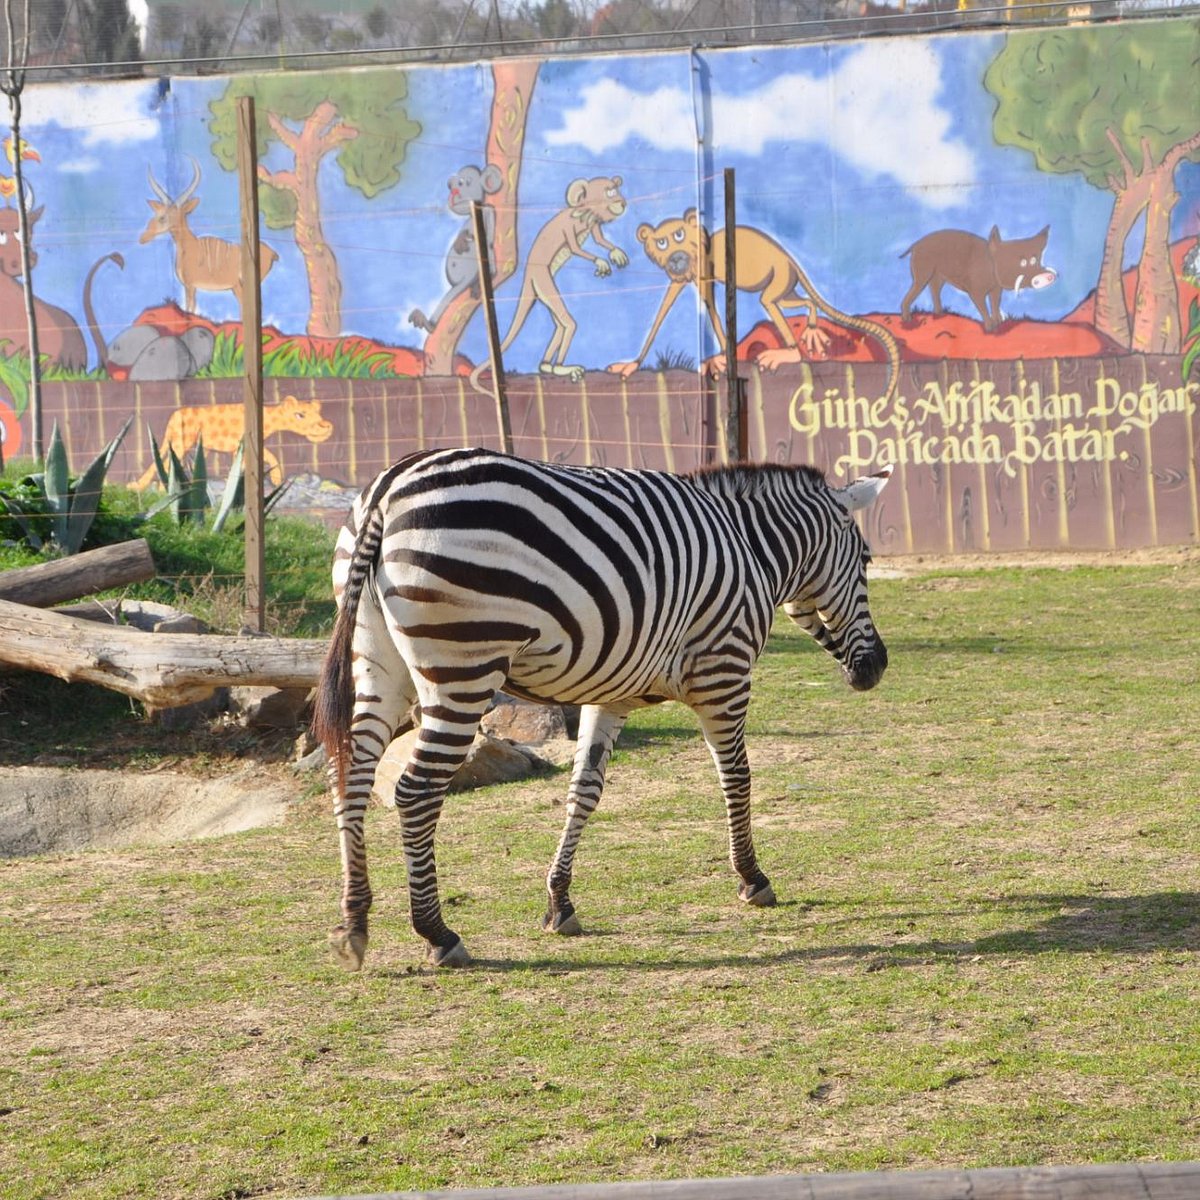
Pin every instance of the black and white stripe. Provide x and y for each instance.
(461, 572)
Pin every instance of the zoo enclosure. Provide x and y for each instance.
(1075, 448)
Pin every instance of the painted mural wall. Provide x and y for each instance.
(973, 255)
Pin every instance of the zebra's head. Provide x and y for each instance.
(831, 604)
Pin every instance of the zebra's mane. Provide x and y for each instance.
(747, 480)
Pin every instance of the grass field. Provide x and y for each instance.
(986, 952)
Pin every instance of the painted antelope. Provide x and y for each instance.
(205, 264)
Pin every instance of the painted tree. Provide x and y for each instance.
(357, 115)
(1115, 103)
(513, 81)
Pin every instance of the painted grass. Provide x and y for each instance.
(297, 358)
(986, 951)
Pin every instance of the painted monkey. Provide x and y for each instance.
(683, 248)
(591, 204)
(469, 186)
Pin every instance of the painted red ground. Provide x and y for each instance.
(925, 338)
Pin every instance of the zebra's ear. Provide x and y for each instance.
(862, 492)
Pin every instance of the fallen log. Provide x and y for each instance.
(49, 583)
(162, 670)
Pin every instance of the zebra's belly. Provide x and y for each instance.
(547, 675)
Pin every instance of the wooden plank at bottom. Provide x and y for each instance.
(1103, 1181)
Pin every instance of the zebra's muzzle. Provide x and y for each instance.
(867, 668)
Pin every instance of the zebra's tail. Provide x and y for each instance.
(333, 706)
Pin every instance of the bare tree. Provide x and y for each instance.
(13, 84)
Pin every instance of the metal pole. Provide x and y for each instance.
(247, 154)
(735, 408)
(499, 384)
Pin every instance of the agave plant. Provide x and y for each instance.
(233, 499)
(186, 498)
(66, 510)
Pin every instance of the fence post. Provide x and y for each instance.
(735, 405)
(247, 154)
(499, 385)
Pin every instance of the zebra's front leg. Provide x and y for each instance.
(724, 734)
(598, 732)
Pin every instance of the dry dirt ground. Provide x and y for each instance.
(902, 566)
(221, 782)
(52, 809)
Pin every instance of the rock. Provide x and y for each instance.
(559, 752)
(104, 612)
(524, 722)
(50, 811)
(187, 716)
(269, 707)
(304, 744)
(315, 760)
(494, 760)
(181, 623)
(489, 760)
(152, 617)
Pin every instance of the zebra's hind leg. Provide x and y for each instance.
(724, 733)
(598, 732)
(384, 698)
(450, 714)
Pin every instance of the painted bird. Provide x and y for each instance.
(27, 151)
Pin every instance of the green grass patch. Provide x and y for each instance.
(203, 570)
(985, 952)
(198, 571)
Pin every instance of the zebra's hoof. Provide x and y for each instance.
(564, 926)
(762, 896)
(449, 956)
(348, 948)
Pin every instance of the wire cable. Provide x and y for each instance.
(827, 27)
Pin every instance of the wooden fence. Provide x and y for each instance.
(1048, 454)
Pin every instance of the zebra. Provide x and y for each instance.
(462, 572)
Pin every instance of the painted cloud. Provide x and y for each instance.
(854, 111)
(102, 114)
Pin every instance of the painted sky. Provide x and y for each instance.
(846, 154)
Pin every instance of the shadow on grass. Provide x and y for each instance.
(1083, 924)
(1125, 924)
(632, 738)
(784, 648)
